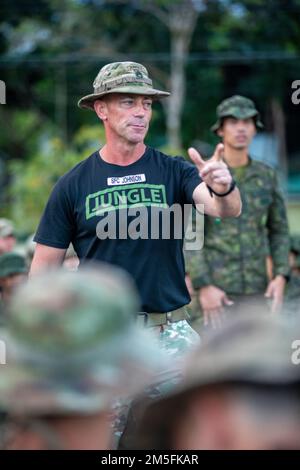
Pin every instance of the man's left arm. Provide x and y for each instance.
(278, 234)
(217, 191)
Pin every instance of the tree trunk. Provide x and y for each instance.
(278, 119)
(182, 23)
(61, 102)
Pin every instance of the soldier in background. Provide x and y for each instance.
(230, 272)
(69, 355)
(292, 297)
(13, 271)
(240, 392)
(7, 237)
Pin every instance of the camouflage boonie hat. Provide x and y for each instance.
(73, 345)
(12, 263)
(121, 77)
(238, 107)
(254, 350)
(6, 228)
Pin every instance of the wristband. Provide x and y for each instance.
(231, 188)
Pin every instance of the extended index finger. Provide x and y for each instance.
(218, 153)
(196, 158)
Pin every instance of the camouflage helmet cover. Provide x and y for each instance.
(72, 344)
(238, 107)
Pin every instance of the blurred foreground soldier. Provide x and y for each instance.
(13, 271)
(108, 204)
(69, 355)
(241, 391)
(230, 272)
(7, 237)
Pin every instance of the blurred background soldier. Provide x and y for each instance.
(69, 355)
(13, 271)
(292, 298)
(240, 391)
(230, 272)
(7, 237)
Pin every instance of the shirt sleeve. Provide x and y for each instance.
(190, 179)
(57, 225)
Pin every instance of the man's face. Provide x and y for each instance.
(10, 283)
(237, 133)
(7, 244)
(125, 116)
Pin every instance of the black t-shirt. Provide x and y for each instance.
(95, 192)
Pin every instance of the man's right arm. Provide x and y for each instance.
(46, 257)
(56, 228)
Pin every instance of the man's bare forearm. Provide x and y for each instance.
(46, 257)
(230, 205)
(227, 206)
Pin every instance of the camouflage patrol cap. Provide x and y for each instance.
(238, 107)
(6, 228)
(254, 350)
(72, 344)
(12, 263)
(121, 77)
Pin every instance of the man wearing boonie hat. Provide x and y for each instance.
(120, 179)
(240, 391)
(69, 356)
(230, 273)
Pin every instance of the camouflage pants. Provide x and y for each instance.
(176, 339)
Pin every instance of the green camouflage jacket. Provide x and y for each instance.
(235, 249)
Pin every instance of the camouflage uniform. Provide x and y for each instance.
(76, 352)
(234, 254)
(175, 339)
